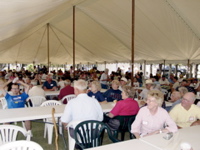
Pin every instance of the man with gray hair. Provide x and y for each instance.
(49, 84)
(186, 114)
(67, 90)
(104, 78)
(82, 107)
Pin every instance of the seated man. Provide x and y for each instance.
(186, 114)
(49, 84)
(175, 99)
(15, 99)
(82, 107)
(67, 90)
(148, 84)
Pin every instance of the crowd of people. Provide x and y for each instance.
(94, 87)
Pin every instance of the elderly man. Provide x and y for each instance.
(175, 99)
(67, 90)
(148, 84)
(123, 82)
(186, 113)
(82, 107)
(104, 78)
(49, 84)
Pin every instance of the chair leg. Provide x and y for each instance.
(45, 130)
(50, 133)
(122, 136)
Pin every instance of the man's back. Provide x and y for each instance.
(82, 107)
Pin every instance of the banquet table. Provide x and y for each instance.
(33, 113)
(51, 93)
(126, 145)
(189, 135)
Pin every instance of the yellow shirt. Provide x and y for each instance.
(184, 118)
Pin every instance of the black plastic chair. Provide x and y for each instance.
(131, 120)
(90, 133)
(125, 121)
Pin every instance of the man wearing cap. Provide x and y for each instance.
(123, 82)
(143, 94)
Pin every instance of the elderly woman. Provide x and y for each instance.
(95, 91)
(114, 93)
(153, 119)
(126, 107)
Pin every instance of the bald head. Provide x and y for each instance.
(190, 96)
(187, 100)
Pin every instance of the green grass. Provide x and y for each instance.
(38, 136)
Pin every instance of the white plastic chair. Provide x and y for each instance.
(3, 102)
(71, 141)
(37, 100)
(8, 133)
(21, 145)
(68, 97)
(49, 127)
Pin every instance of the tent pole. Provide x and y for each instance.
(188, 69)
(132, 42)
(164, 68)
(196, 70)
(105, 64)
(144, 69)
(150, 68)
(48, 46)
(74, 7)
(176, 66)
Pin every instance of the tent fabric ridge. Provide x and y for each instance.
(182, 19)
(105, 28)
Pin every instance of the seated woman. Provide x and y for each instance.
(126, 107)
(114, 93)
(153, 119)
(95, 91)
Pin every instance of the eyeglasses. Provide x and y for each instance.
(15, 89)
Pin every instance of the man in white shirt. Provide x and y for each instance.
(148, 84)
(163, 81)
(104, 78)
(82, 107)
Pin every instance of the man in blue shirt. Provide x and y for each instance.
(49, 84)
(15, 99)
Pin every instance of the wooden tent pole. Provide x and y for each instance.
(164, 68)
(74, 7)
(48, 46)
(132, 42)
(188, 69)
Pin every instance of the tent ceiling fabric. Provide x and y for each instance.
(164, 30)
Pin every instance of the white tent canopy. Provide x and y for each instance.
(164, 30)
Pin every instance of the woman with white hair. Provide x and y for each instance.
(153, 119)
(95, 91)
(114, 93)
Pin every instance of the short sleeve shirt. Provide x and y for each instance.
(16, 101)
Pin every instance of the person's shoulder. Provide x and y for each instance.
(195, 107)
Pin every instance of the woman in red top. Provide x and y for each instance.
(126, 107)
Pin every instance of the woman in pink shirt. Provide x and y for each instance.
(126, 107)
(153, 119)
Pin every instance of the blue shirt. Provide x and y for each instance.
(49, 85)
(112, 95)
(16, 101)
(98, 95)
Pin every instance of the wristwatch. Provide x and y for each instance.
(160, 131)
